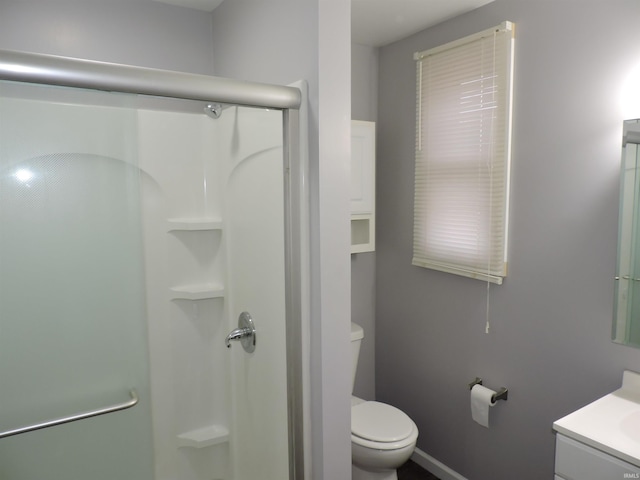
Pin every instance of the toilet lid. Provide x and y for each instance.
(380, 422)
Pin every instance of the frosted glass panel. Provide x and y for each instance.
(72, 312)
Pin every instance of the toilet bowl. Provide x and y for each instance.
(383, 437)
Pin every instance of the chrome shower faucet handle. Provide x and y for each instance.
(246, 333)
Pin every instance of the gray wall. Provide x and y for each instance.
(551, 319)
(364, 82)
(364, 106)
(147, 34)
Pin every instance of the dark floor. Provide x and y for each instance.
(413, 471)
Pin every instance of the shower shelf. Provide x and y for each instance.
(194, 224)
(197, 292)
(204, 437)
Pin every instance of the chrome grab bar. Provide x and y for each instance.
(74, 418)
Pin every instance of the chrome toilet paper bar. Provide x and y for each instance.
(502, 394)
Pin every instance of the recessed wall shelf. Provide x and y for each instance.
(362, 233)
(204, 437)
(197, 292)
(194, 224)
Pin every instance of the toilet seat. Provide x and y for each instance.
(382, 427)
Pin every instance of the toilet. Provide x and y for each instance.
(382, 437)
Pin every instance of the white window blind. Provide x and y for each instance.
(463, 151)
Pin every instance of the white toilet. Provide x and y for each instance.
(382, 437)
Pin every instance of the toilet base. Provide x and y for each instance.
(359, 474)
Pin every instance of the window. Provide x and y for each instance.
(463, 149)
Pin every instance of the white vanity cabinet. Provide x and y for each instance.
(363, 186)
(577, 461)
(601, 441)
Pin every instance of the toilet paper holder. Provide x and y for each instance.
(501, 394)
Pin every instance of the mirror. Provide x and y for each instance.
(626, 317)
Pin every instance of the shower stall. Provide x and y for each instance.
(145, 217)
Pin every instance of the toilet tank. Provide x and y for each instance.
(357, 334)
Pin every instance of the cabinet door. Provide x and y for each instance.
(363, 144)
(575, 460)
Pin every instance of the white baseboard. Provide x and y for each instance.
(439, 469)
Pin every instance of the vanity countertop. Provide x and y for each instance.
(611, 423)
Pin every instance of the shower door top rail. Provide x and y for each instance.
(132, 402)
(74, 72)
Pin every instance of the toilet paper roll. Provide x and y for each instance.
(480, 403)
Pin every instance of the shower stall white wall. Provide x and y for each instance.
(214, 238)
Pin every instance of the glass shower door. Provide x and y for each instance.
(134, 232)
(72, 311)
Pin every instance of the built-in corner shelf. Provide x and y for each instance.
(197, 292)
(193, 224)
(204, 437)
